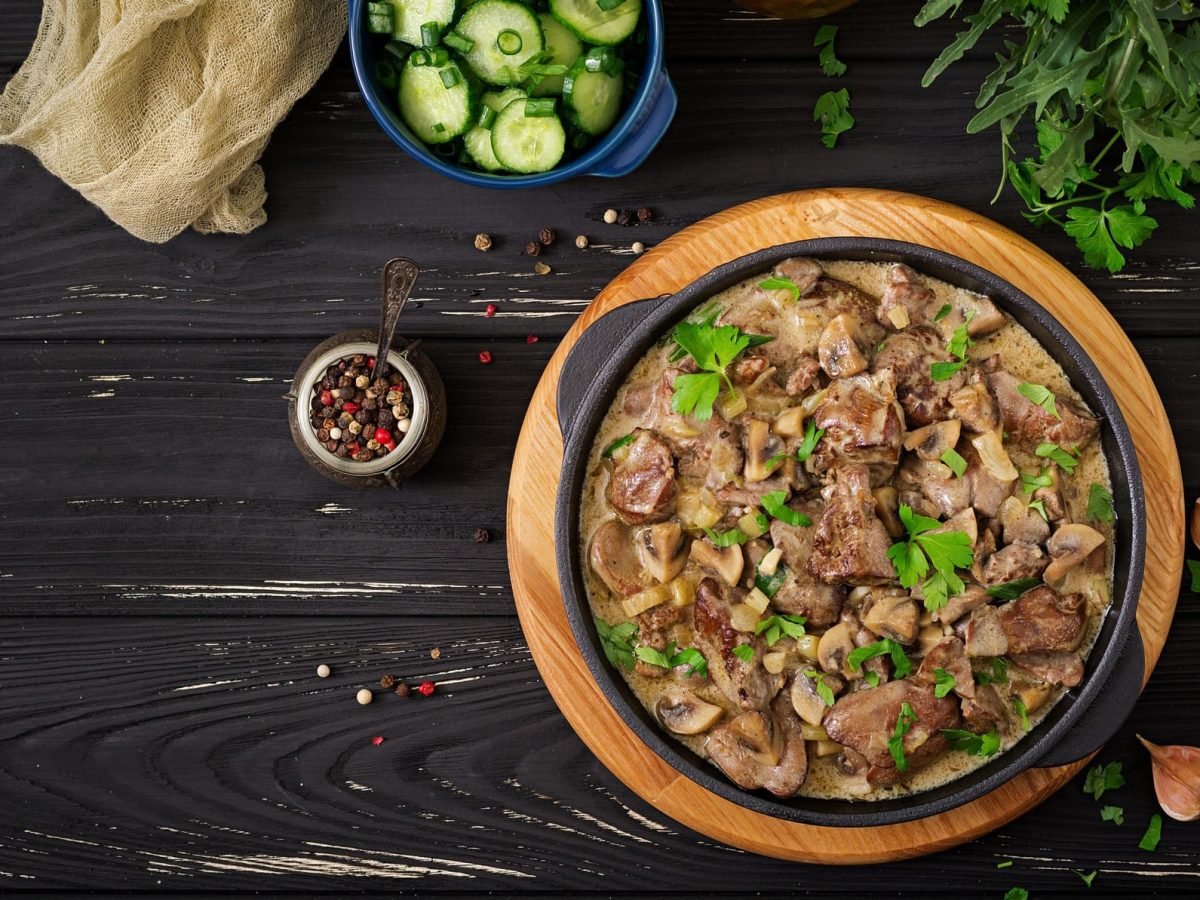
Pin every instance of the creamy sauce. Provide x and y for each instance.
(1021, 354)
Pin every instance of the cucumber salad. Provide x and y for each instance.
(506, 86)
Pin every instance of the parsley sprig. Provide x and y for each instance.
(945, 551)
(1051, 451)
(824, 691)
(833, 112)
(830, 64)
(885, 647)
(775, 503)
(672, 657)
(1100, 504)
(617, 641)
(1103, 778)
(904, 723)
(713, 347)
(984, 745)
(774, 628)
(957, 347)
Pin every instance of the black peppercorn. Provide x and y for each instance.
(403, 690)
(482, 536)
(386, 418)
(362, 417)
(342, 451)
(547, 236)
(387, 681)
(644, 214)
(623, 217)
(329, 382)
(533, 248)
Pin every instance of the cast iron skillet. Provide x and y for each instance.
(1083, 720)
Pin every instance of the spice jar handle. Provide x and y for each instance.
(399, 277)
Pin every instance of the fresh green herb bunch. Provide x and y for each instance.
(1111, 87)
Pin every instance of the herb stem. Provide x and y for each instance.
(1093, 165)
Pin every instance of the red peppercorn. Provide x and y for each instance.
(370, 362)
(485, 357)
(353, 448)
(327, 398)
(350, 407)
(383, 436)
(427, 688)
(531, 339)
(377, 740)
(490, 310)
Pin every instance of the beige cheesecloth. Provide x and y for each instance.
(157, 110)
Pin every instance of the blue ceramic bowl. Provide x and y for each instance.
(623, 149)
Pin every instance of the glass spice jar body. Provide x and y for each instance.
(427, 399)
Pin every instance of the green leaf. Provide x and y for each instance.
(1103, 778)
(942, 313)
(770, 584)
(1039, 395)
(1011, 590)
(1022, 712)
(812, 434)
(832, 110)
(1039, 507)
(693, 659)
(1036, 84)
(776, 506)
(1050, 450)
(653, 657)
(1153, 834)
(713, 348)
(1030, 483)
(998, 675)
(1100, 504)
(904, 723)
(944, 371)
(1160, 181)
(947, 551)
(1087, 879)
(779, 283)
(744, 652)
(616, 641)
(984, 745)
(695, 395)
(1097, 232)
(824, 691)
(989, 14)
(1114, 814)
(830, 64)
(617, 445)
(960, 341)
(954, 460)
(1063, 163)
(1017, 893)
(871, 678)
(910, 562)
(1194, 567)
(885, 647)
(935, 9)
(943, 683)
(723, 539)
(776, 627)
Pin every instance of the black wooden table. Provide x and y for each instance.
(171, 572)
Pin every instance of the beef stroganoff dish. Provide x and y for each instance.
(847, 531)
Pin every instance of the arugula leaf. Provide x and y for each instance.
(812, 435)
(904, 723)
(1100, 504)
(942, 313)
(780, 283)
(1050, 450)
(943, 683)
(1194, 567)
(1011, 590)
(713, 348)
(744, 652)
(1114, 814)
(984, 745)
(832, 110)
(778, 626)
(1101, 778)
(723, 539)
(830, 64)
(954, 460)
(1022, 712)
(998, 675)
(885, 647)
(1039, 395)
(1153, 834)
(776, 508)
(945, 551)
(616, 641)
(1087, 879)
(617, 445)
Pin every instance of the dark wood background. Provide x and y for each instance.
(171, 572)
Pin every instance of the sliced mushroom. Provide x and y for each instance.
(932, 441)
(887, 503)
(762, 750)
(761, 448)
(615, 560)
(1068, 547)
(975, 406)
(1052, 496)
(790, 422)
(1034, 695)
(806, 701)
(995, 459)
(834, 650)
(987, 317)
(1020, 523)
(726, 561)
(684, 713)
(662, 550)
(892, 614)
(838, 348)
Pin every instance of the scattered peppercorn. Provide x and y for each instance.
(377, 740)
(387, 681)
(581, 241)
(547, 236)
(483, 241)
(427, 688)
(323, 671)
(624, 217)
(638, 247)
(610, 216)
(482, 536)
(533, 248)
(347, 402)
(644, 214)
(364, 696)
(541, 268)
(435, 653)
(403, 690)
(485, 357)
(490, 310)
(531, 338)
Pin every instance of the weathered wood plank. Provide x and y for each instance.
(208, 756)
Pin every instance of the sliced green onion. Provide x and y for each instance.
(487, 116)
(509, 42)
(542, 69)
(607, 5)
(456, 41)
(539, 107)
(439, 128)
(451, 76)
(603, 59)
(385, 74)
(397, 51)
(420, 58)
(431, 33)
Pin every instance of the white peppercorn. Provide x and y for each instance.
(610, 216)
(402, 425)
(364, 696)
(638, 247)
(323, 671)
(581, 242)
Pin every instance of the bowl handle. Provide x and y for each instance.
(1107, 713)
(645, 134)
(595, 347)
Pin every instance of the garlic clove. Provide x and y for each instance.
(1176, 779)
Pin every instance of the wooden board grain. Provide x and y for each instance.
(676, 262)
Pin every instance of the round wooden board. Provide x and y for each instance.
(678, 261)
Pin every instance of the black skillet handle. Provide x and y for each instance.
(593, 349)
(1107, 713)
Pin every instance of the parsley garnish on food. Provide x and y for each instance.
(781, 283)
(984, 745)
(833, 112)
(904, 723)
(943, 683)
(1022, 712)
(670, 658)
(1100, 504)
(1017, 893)
(884, 647)
(723, 539)
(744, 652)
(617, 642)
(998, 675)
(770, 584)
(830, 64)
(1101, 778)
(824, 691)
(1050, 450)
(942, 313)
(953, 459)
(1011, 590)
(957, 347)
(945, 551)
(1030, 483)
(1039, 506)
(812, 434)
(1040, 395)
(871, 678)
(1153, 834)
(1114, 814)
(1194, 567)
(617, 445)
(1088, 878)
(776, 508)
(713, 348)
(774, 628)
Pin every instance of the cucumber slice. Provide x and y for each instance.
(564, 49)
(593, 99)
(478, 141)
(527, 144)
(409, 15)
(436, 113)
(493, 24)
(595, 25)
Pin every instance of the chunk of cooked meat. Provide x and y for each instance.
(762, 750)
(801, 271)
(909, 355)
(987, 491)
(748, 367)
(803, 377)
(905, 300)
(865, 720)
(985, 317)
(642, 488)
(801, 594)
(891, 613)
(1052, 667)
(1014, 562)
(974, 404)
(1027, 422)
(838, 348)
(850, 544)
(750, 493)
(936, 483)
(715, 459)
(863, 425)
(747, 684)
(652, 631)
(949, 655)
(1044, 619)
(959, 605)
(983, 633)
(986, 710)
